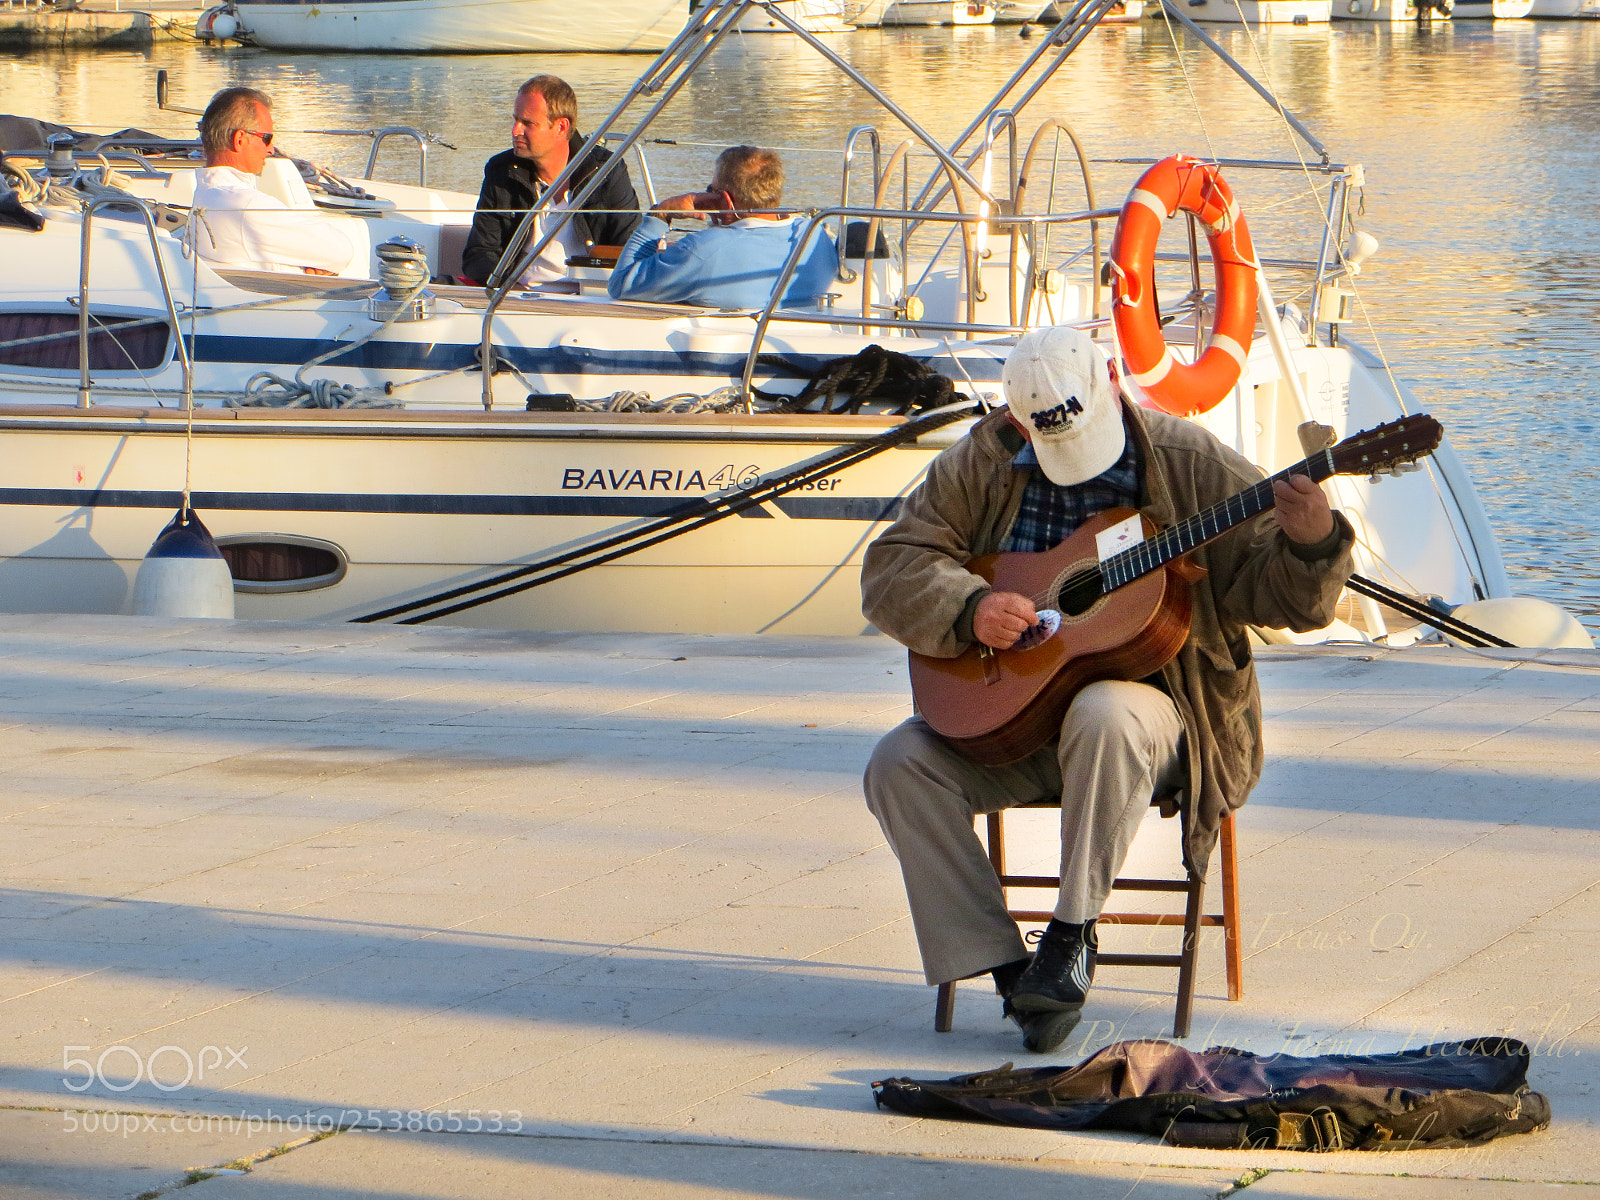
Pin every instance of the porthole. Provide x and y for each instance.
(116, 342)
(282, 562)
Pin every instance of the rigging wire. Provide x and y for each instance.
(1335, 239)
(1183, 66)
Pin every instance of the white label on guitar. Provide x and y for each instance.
(1122, 535)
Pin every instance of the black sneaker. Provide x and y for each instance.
(1006, 976)
(1042, 1032)
(1058, 979)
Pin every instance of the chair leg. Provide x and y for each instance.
(944, 1008)
(1230, 911)
(1189, 955)
(997, 842)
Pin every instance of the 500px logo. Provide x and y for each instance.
(160, 1067)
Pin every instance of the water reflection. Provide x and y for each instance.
(1481, 142)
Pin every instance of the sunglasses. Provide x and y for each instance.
(266, 138)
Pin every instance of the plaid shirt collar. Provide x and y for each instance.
(1050, 513)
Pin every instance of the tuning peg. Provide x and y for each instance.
(1408, 468)
(1375, 478)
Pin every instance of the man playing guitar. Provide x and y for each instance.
(1066, 448)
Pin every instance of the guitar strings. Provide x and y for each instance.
(1137, 561)
(1191, 533)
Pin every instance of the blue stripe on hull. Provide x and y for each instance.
(542, 360)
(804, 508)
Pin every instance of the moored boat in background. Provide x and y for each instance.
(1391, 11)
(1490, 10)
(814, 16)
(1566, 9)
(1123, 12)
(461, 26)
(939, 12)
(1261, 12)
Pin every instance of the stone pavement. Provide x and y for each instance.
(605, 915)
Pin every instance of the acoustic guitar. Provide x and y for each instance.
(1114, 603)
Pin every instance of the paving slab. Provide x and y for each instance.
(72, 1155)
(402, 1166)
(625, 888)
(1283, 1185)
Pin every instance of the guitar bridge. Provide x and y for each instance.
(991, 664)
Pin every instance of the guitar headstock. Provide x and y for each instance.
(1388, 448)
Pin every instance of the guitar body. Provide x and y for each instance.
(998, 706)
(1122, 619)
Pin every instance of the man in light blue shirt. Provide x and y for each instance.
(736, 260)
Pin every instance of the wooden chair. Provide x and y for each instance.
(1193, 918)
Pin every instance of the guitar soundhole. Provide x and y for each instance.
(1079, 593)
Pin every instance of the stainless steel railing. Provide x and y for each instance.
(865, 320)
(85, 383)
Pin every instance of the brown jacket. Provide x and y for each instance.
(915, 588)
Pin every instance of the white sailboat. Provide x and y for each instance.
(1261, 12)
(1122, 12)
(475, 485)
(814, 16)
(1491, 10)
(939, 12)
(1021, 12)
(1387, 11)
(1588, 10)
(461, 26)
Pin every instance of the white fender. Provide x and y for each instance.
(183, 574)
(1524, 621)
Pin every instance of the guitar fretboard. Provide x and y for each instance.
(1205, 526)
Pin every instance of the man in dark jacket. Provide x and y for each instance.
(544, 138)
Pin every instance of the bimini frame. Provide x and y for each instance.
(660, 83)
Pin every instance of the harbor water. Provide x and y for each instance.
(1480, 142)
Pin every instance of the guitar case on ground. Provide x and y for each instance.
(1447, 1095)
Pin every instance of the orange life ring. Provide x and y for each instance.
(1183, 389)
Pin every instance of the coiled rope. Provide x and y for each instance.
(403, 271)
(724, 399)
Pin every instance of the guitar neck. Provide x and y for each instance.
(1205, 526)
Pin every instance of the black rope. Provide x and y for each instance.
(695, 514)
(871, 375)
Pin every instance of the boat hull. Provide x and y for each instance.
(1125, 12)
(814, 16)
(1391, 12)
(420, 502)
(1492, 10)
(465, 26)
(938, 12)
(1263, 12)
(1566, 9)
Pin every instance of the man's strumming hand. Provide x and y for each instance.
(1001, 617)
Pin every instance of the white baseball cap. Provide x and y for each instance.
(1059, 389)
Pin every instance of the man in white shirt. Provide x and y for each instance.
(238, 225)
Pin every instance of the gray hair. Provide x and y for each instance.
(751, 176)
(230, 110)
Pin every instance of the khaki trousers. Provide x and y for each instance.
(1119, 743)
